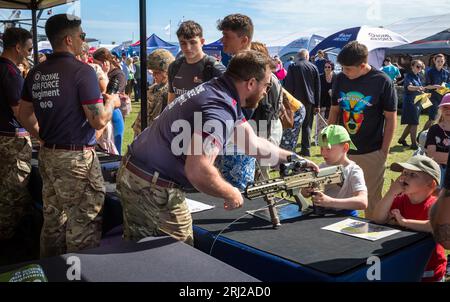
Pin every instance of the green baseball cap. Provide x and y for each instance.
(420, 163)
(333, 135)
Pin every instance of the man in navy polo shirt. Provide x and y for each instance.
(62, 105)
(15, 143)
(178, 151)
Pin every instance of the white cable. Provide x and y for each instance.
(223, 230)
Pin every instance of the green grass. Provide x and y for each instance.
(129, 120)
(397, 152)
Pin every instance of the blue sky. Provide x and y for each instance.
(276, 22)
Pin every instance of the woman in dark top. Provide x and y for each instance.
(326, 83)
(410, 111)
(115, 74)
(438, 137)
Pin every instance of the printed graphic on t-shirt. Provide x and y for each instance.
(353, 105)
(445, 142)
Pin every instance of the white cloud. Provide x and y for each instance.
(277, 23)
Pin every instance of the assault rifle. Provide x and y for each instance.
(294, 176)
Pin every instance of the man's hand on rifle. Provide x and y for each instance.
(234, 201)
(309, 164)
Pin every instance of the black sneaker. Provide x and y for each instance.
(403, 143)
(414, 147)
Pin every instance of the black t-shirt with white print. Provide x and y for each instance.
(362, 102)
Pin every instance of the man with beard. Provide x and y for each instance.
(184, 142)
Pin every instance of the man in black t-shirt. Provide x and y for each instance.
(15, 143)
(365, 102)
(194, 67)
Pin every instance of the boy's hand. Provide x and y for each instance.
(321, 200)
(397, 187)
(398, 217)
(307, 192)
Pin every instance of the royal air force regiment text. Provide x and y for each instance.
(46, 86)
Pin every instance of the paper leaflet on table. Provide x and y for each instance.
(361, 229)
(445, 88)
(424, 99)
(196, 206)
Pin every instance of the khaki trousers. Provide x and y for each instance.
(373, 165)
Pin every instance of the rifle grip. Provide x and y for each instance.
(301, 201)
(273, 212)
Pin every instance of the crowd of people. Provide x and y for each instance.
(212, 129)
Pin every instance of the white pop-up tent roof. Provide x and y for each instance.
(376, 39)
(308, 42)
(32, 4)
(419, 28)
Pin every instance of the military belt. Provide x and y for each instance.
(70, 147)
(151, 178)
(14, 134)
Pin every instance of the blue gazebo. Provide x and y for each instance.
(154, 42)
(216, 48)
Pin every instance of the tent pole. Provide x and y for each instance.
(34, 31)
(143, 59)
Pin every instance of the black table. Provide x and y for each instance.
(161, 259)
(300, 250)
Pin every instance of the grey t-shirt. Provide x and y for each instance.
(190, 76)
(353, 182)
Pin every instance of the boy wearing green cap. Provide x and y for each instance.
(335, 142)
(408, 202)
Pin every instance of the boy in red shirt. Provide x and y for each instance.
(407, 204)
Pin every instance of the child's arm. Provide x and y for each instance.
(357, 202)
(415, 225)
(382, 209)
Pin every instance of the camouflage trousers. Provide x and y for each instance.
(15, 169)
(151, 210)
(73, 193)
